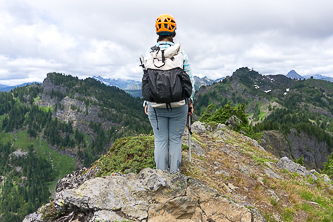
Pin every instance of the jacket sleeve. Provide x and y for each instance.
(187, 69)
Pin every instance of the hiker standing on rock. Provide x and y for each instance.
(168, 89)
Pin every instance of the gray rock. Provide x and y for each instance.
(245, 170)
(221, 127)
(75, 179)
(222, 172)
(269, 164)
(94, 193)
(139, 211)
(270, 173)
(286, 163)
(327, 179)
(314, 177)
(198, 127)
(34, 217)
(313, 171)
(154, 194)
(257, 216)
(219, 134)
(105, 215)
(19, 153)
(232, 122)
(196, 148)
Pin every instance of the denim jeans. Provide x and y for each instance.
(168, 138)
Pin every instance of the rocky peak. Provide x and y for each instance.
(294, 75)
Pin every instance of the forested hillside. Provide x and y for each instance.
(48, 129)
(294, 116)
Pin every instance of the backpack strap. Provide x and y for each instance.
(163, 59)
(168, 106)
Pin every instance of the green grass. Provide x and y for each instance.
(46, 109)
(62, 164)
(306, 195)
(35, 99)
(288, 214)
(22, 142)
(323, 211)
(262, 115)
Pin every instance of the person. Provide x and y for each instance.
(169, 123)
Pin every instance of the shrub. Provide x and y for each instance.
(128, 154)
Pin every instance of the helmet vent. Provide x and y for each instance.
(165, 24)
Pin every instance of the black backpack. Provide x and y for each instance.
(164, 79)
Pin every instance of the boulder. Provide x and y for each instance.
(286, 163)
(152, 195)
(198, 127)
(232, 122)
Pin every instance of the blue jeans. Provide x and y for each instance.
(168, 138)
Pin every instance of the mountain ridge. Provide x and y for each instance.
(8, 88)
(62, 124)
(276, 102)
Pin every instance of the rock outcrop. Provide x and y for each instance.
(151, 195)
(76, 178)
(296, 145)
(287, 164)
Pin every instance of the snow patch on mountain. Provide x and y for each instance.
(120, 83)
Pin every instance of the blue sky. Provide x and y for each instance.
(105, 37)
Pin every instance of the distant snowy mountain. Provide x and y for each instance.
(8, 88)
(5, 88)
(205, 81)
(136, 85)
(294, 75)
(318, 76)
(219, 79)
(202, 82)
(120, 83)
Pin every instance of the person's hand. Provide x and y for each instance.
(146, 109)
(190, 109)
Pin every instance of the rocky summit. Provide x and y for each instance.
(231, 178)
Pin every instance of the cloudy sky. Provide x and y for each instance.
(105, 37)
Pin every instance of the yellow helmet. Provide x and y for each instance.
(165, 25)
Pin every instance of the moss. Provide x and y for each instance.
(50, 212)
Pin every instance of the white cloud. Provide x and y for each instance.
(85, 38)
